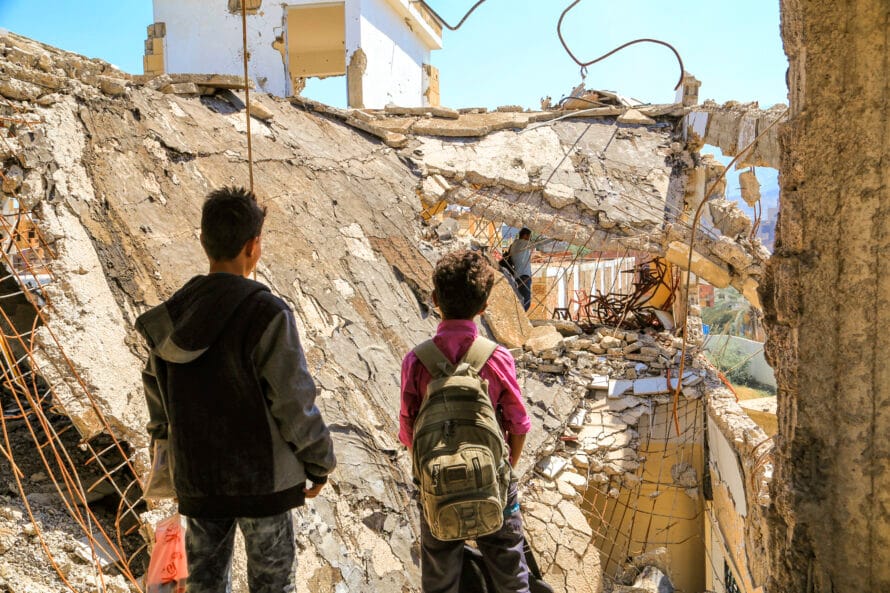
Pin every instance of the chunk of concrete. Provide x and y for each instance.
(505, 316)
(650, 386)
(618, 387)
(260, 111)
(608, 342)
(551, 466)
(573, 479)
(111, 86)
(189, 89)
(678, 254)
(544, 337)
(634, 117)
(576, 420)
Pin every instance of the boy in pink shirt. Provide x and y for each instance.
(462, 282)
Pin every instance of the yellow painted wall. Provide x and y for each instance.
(655, 512)
(316, 40)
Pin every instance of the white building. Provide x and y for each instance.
(381, 46)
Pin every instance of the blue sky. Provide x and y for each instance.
(508, 52)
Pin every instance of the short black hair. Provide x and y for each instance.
(463, 281)
(230, 217)
(525, 231)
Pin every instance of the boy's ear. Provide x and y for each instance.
(251, 246)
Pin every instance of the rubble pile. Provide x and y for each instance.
(623, 374)
(599, 385)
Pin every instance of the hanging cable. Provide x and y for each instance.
(247, 90)
(584, 65)
(444, 23)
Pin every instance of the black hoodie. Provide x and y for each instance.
(226, 383)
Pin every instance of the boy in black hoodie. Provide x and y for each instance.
(227, 385)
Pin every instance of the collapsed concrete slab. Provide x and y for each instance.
(733, 126)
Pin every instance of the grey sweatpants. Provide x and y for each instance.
(503, 552)
(271, 553)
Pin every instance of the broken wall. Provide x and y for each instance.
(737, 499)
(205, 37)
(826, 302)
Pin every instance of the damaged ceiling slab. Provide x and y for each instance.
(607, 178)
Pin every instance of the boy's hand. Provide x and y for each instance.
(313, 492)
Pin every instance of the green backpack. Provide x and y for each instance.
(460, 458)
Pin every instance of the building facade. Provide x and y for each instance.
(381, 47)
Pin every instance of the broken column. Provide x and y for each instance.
(826, 304)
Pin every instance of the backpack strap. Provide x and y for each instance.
(479, 353)
(433, 359)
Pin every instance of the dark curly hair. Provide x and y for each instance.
(230, 217)
(462, 281)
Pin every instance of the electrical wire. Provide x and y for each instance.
(444, 23)
(584, 65)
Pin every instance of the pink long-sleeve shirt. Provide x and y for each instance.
(453, 338)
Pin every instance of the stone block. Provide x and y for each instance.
(623, 403)
(678, 254)
(553, 368)
(573, 479)
(643, 358)
(634, 117)
(618, 387)
(631, 348)
(650, 386)
(157, 30)
(608, 342)
(565, 327)
(578, 344)
(181, 88)
(153, 63)
(112, 86)
(505, 316)
(260, 111)
(544, 337)
(154, 46)
(576, 420)
(19, 90)
(551, 466)
(599, 382)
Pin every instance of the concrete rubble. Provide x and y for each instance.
(116, 167)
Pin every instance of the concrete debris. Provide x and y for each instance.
(550, 467)
(634, 117)
(750, 187)
(544, 338)
(259, 111)
(650, 580)
(505, 316)
(729, 218)
(188, 89)
(732, 127)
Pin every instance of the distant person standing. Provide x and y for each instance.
(520, 254)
